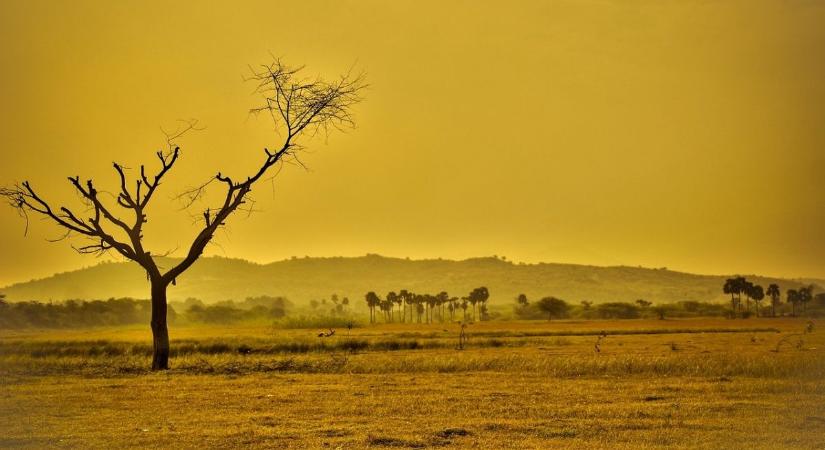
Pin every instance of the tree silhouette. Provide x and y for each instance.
(774, 293)
(392, 298)
(522, 300)
(805, 295)
(399, 301)
(757, 294)
(453, 307)
(372, 301)
(442, 298)
(479, 295)
(643, 303)
(431, 300)
(747, 289)
(792, 296)
(298, 106)
(408, 298)
(734, 287)
(553, 306)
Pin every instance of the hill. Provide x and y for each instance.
(302, 279)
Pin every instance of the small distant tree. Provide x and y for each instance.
(442, 298)
(775, 295)
(643, 303)
(792, 297)
(409, 299)
(757, 294)
(392, 297)
(586, 305)
(522, 300)
(399, 302)
(431, 301)
(553, 307)
(805, 296)
(478, 296)
(453, 307)
(372, 300)
(660, 311)
(747, 289)
(734, 287)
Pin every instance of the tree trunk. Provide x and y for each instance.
(160, 332)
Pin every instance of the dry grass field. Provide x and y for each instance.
(651, 384)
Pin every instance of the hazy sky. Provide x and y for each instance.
(686, 134)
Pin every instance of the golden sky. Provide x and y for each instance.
(686, 134)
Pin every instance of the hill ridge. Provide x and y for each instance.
(302, 279)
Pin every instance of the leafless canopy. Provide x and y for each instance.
(299, 107)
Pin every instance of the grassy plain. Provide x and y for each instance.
(700, 383)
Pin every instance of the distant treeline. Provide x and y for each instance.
(554, 308)
(127, 311)
(77, 313)
(428, 307)
(798, 298)
(251, 309)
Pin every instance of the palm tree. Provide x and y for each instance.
(793, 298)
(747, 288)
(805, 296)
(464, 304)
(442, 298)
(409, 300)
(402, 296)
(735, 286)
(453, 307)
(432, 302)
(731, 288)
(774, 293)
(478, 295)
(757, 294)
(392, 298)
(372, 301)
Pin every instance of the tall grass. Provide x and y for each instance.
(798, 365)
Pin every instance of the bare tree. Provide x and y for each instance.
(300, 107)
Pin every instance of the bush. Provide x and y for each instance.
(617, 310)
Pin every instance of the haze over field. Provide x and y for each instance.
(681, 134)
